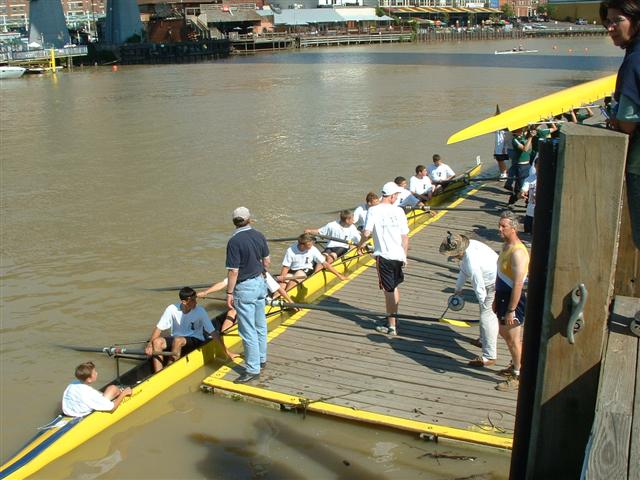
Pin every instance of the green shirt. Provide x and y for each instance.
(521, 156)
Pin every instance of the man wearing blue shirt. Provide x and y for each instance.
(247, 261)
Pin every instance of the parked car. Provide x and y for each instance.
(537, 26)
(581, 21)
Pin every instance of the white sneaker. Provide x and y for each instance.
(388, 330)
(504, 176)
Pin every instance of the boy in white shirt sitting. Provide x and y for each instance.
(80, 398)
(343, 229)
(301, 260)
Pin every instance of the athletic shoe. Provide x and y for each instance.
(391, 331)
(480, 362)
(247, 377)
(506, 372)
(504, 176)
(511, 384)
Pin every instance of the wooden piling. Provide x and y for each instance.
(558, 391)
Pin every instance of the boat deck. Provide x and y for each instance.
(337, 364)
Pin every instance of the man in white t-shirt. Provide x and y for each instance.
(80, 398)
(301, 260)
(388, 226)
(343, 229)
(406, 199)
(187, 323)
(420, 184)
(360, 213)
(440, 173)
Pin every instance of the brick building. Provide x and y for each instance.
(15, 13)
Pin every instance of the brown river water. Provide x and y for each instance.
(116, 182)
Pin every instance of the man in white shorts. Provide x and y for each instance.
(80, 398)
(301, 260)
(186, 322)
(388, 225)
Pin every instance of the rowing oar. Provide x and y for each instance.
(114, 351)
(175, 289)
(366, 313)
(433, 262)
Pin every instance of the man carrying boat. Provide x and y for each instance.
(186, 321)
(80, 398)
(247, 261)
(388, 225)
(301, 260)
(522, 145)
(510, 301)
(342, 228)
(478, 265)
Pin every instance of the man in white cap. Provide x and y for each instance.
(388, 225)
(478, 265)
(247, 261)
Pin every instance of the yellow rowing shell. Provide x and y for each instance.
(65, 433)
(540, 109)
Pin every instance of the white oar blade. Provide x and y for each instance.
(540, 109)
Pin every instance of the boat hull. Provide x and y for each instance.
(11, 72)
(52, 443)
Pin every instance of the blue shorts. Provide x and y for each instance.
(502, 305)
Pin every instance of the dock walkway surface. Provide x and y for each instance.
(338, 364)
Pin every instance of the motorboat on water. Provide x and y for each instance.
(8, 71)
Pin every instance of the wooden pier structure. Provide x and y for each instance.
(419, 381)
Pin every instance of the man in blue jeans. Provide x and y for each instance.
(247, 261)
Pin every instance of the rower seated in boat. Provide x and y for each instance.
(301, 260)
(360, 213)
(440, 173)
(186, 322)
(80, 398)
(420, 184)
(343, 228)
(406, 199)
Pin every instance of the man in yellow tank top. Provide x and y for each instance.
(510, 301)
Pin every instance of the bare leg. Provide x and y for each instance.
(502, 166)
(392, 301)
(111, 392)
(226, 325)
(512, 335)
(178, 343)
(159, 345)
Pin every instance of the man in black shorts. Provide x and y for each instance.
(388, 225)
(186, 321)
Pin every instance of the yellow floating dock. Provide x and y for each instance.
(419, 381)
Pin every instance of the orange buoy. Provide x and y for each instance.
(114, 68)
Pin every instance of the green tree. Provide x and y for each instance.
(507, 10)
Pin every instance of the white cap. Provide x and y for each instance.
(241, 212)
(390, 188)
